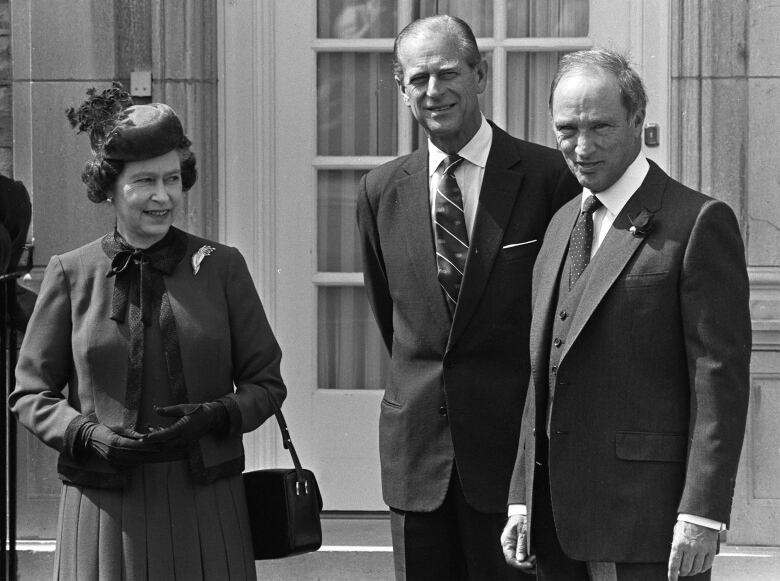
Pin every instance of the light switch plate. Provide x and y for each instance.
(141, 83)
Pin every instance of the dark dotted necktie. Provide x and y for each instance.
(582, 239)
(452, 240)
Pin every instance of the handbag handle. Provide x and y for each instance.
(288, 445)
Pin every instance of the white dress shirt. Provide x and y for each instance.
(468, 174)
(614, 198)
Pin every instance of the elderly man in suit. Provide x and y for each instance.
(640, 350)
(449, 237)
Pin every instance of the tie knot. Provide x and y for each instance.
(449, 163)
(592, 203)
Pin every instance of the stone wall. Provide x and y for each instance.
(725, 98)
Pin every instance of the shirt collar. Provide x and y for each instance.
(616, 195)
(475, 151)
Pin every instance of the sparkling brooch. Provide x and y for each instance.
(198, 257)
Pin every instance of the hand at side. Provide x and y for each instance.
(693, 550)
(514, 544)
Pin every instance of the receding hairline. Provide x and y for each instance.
(457, 30)
(610, 64)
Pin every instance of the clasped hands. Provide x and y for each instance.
(693, 548)
(127, 448)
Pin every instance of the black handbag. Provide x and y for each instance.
(284, 505)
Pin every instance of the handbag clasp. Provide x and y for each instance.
(298, 487)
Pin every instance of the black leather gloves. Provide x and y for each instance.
(195, 420)
(122, 450)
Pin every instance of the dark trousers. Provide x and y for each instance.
(552, 564)
(454, 542)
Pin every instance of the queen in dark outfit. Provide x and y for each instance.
(148, 355)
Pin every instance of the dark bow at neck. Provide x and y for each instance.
(140, 291)
(141, 269)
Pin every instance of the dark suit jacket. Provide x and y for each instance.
(652, 389)
(455, 388)
(227, 350)
(15, 216)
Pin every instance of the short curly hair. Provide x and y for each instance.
(100, 174)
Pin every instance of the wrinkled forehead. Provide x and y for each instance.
(591, 89)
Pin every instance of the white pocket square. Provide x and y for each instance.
(518, 244)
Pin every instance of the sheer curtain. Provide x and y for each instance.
(357, 105)
(529, 74)
(350, 352)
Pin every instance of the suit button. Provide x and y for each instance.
(443, 411)
(563, 315)
(554, 369)
(557, 342)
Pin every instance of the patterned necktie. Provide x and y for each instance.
(452, 240)
(582, 239)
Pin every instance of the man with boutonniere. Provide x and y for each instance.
(640, 352)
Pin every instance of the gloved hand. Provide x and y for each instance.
(122, 450)
(195, 421)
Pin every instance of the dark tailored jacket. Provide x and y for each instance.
(456, 387)
(15, 215)
(651, 393)
(227, 350)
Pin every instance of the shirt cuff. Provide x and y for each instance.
(701, 521)
(516, 509)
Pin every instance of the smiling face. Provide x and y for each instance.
(599, 138)
(441, 88)
(146, 195)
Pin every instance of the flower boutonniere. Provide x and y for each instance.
(198, 257)
(641, 224)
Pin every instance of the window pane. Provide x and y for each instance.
(550, 18)
(356, 104)
(337, 236)
(478, 15)
(527, 91)
(350, 351)
(356, 18)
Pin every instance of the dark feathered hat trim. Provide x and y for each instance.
(122, 131)
(99, 112)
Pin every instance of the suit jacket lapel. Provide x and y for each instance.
(413, 195)
(616, 250)
(500, 187)
(549, 264)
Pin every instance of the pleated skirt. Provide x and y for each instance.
(161, 527)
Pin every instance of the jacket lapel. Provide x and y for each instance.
(549, 264)
(413, 195)
(616, 250)
(500, 188)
